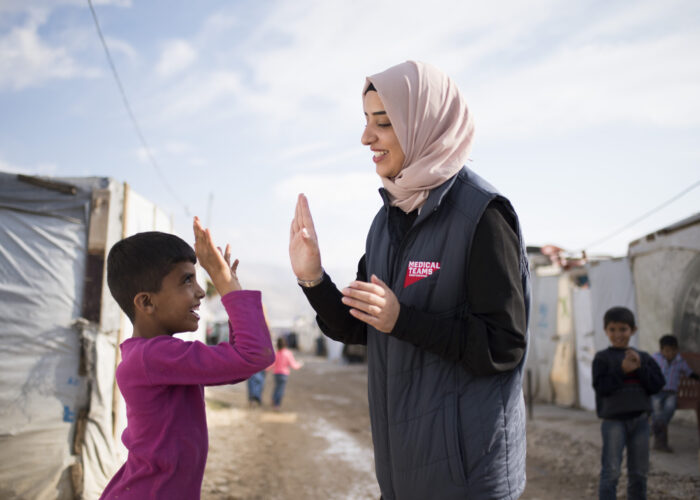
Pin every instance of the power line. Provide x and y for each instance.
(137, 128)
(643, 216)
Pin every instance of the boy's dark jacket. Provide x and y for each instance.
(619, 395)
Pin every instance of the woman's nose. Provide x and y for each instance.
(368, 137)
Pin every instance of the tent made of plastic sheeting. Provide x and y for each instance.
(59, 338)
(566, 327)
(666, 270)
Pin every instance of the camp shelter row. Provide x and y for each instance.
(61, 412)
(659, 280)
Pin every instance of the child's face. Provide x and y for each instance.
(669, 352)
(619, 333)
(176, 304)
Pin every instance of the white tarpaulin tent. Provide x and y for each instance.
(666, 269)
(60, 409)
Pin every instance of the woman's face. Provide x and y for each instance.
(379, 135)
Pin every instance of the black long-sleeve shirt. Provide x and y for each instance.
(489, 339)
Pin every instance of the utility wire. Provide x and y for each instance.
(140, 135)
(643, 216)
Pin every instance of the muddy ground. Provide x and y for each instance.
(319, 446)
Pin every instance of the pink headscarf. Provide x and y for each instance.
(433, 126)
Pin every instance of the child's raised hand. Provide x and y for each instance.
(214, 261)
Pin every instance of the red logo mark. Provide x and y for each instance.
(417, 270)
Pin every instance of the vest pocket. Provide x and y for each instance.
(453, 443)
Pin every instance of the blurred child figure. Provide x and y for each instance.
(256, 384)
(284, 360)
(152, 277)
(623, 379)
(673, 366)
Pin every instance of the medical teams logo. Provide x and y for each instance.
(417, 270)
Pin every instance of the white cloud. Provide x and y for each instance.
(39, 169)
(649, 82)
(199, 92)
(26, 60)
(328, 190)
(177, 56)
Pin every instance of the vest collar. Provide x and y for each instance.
(435, 198)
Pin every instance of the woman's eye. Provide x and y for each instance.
(384, 124)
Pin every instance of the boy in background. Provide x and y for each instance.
(623, 379)
(673, 366)
(152, 277)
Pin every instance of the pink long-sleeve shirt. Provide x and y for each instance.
(162, 380)
(284, 360)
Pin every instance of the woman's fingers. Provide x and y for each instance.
(306, 219)
(367, 307)
(374, 303)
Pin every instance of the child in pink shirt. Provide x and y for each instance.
(284, 360)
(152, 277)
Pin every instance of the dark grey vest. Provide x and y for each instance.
(438, 431)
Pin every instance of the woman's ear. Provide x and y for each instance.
(143, 303)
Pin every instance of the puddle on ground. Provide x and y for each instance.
(334, 399)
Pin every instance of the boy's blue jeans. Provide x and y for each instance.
(664, 405)
(280, 383)
(617, 434)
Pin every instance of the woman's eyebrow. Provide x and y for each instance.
(375, 113)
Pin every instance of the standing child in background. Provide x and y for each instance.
(256, 384)
(152, 277)
(284, 360)
(623, 379)
(664, 403)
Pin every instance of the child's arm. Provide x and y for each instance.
(688, 371)
(292, 361)
(607, 376)
(650, 374)
(249, 350)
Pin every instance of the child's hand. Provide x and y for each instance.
(214, 261)
(631, 362)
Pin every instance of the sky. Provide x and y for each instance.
(587, 113)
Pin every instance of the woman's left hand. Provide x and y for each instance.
(373, 302)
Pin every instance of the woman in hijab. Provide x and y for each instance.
(440, 300)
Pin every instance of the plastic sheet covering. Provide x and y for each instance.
(543, 334)
(42, 268)
(585, 346)
(612, 285)
(563, 374)
(99, 458)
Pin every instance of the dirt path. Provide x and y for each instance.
(319, 446)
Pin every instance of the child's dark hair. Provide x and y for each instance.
(281, 343)
(668, 340)
(619, 314)
(140, 262)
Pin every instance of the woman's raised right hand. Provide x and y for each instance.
(304, 253)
